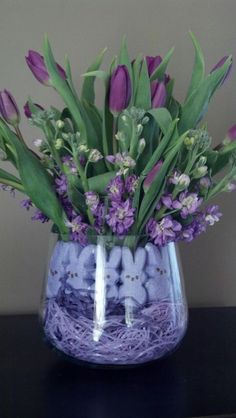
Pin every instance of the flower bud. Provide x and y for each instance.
(8, 108)
(200, 171)
(37, 65)
(94, 156)
(158, 93)
(183, 181)
(120, 89)
(205, 182)
(145, 120)
(59, 143)
(139, 129)
(60, 124)
(83, 148)
(153, 63)
(141, 145)
(27, 110)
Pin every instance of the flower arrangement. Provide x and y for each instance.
(141, 165)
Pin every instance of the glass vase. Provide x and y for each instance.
(113, 303)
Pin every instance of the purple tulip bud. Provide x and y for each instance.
(37, 65)
(120, 89)
(219, 65)
(231, 134)
(158, 92)
(8, 108)
(27, 110)
(151, 176)
(153, 63)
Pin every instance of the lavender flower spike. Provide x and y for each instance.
(120, 89)
(37, 65)
(8, 108)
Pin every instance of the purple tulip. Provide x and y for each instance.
(158, 93)
(37, 65)
(231, 134)
(27, 110)
(151, 175)
(120, 89)
(153, 63)
(219, 65)
(8, 108)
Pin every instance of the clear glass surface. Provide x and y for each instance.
(113, 303)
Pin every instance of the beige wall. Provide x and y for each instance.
(82, 28)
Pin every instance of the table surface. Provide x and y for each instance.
(198, 380)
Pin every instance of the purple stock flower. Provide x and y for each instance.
(120, 217)
(164, 231)
(37, 65)
(153, 63)
(99, 215)
(188, 203)
(68, 161)
(7, 188)
(151, 175)
(27, 110)
(219, 65)
(158, 94)
(78, 230)
(115, 188)
(212, 214)
(8, 108)
(61, 184)
(39, 216)
(131, 183)
(120, 89)
(26, 203)
(92, 201)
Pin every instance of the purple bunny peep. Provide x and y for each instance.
(81, 267)
(132, 292)
(111, 274)
(158, 284)
(57, 267)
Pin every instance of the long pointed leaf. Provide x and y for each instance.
(198, 69)
(143, 93)
(160, 70)
(88, 93)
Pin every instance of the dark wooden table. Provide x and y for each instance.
(197, 380)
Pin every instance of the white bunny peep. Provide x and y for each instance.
(132, 292)
(110, 272)
(158, 283)
(57, 267)
(81, 267)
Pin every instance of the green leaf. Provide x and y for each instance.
(161, 69)
(88, 92)
(10, 180)
(124, 59)
(157, 154)
(63, 88)
(223, 157)
(196, 105)
(99, 183)
(162, 117)
(198, 69)
(76, 197)
(136, 67)
(37, 182)
(152, 195)
(143, 93)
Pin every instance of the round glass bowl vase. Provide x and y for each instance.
(114, 303)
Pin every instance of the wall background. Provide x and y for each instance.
(81, 28)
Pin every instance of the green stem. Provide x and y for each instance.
(114, 141)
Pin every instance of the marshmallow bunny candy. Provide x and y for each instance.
(132, 291)
(80, 268)
(57, 267)
(158, 283)
(111, 275)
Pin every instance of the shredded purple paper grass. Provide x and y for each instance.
(156, 330)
